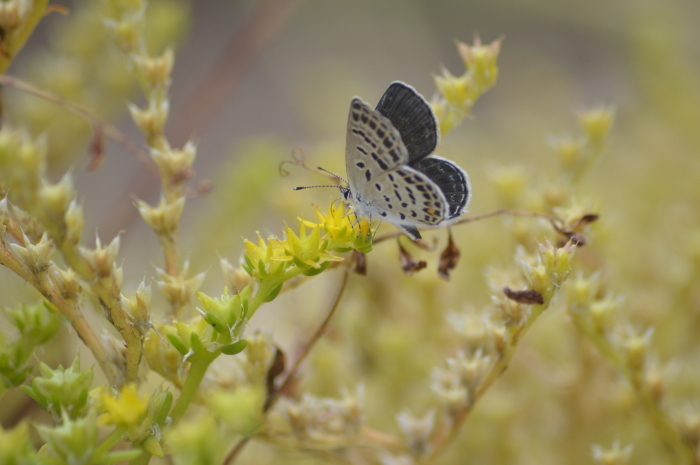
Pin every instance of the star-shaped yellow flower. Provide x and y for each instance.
(126, 409)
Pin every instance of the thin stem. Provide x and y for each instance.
(291, 374)
(142, 459)
(109, 442)
(483, 216)
(107, 129)
(266, 287)
(189, 389)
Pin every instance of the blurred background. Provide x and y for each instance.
(254, 80)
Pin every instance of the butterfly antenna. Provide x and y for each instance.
(310, 187)
(332, 174)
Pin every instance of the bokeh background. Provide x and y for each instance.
(254, 80)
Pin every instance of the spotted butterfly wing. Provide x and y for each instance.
(390, 172)
(373, 146)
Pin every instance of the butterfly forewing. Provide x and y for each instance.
(373, 146)
(413, 117)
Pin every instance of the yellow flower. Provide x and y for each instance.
(264, 260)
(481, 62)
(597, 123)
(458, 91)
(307, 251)
(125, 410)
(341, 233)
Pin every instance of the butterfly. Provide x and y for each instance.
(391, 171)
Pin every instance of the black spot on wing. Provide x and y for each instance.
(380, 162)
(412, 116)
(449, 178)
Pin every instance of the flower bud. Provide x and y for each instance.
(102, 259)
(54, 199)
(235, 279)
(176, 165)
(36, 259)
(612, 456)
(603, 313)
(569, 150)
(481, 61)
(151, 120)
(637, 348)
(458, 91)
(225, 314)
(63, 392)
(178, 290)
(163, 357)
(163, 218)
(596, 124)
(470, 370)
(140, 302)
(75, 222)
(66, 283)
(128, 33)
(417, 431)
(156, 71)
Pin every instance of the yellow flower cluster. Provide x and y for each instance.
(459, 93)
(309, 252)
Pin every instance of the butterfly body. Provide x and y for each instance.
(391, 172)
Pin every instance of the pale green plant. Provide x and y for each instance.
(221, 385)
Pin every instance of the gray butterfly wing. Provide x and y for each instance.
(372, 147)
(408, 199)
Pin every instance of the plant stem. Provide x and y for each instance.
(142, 459)
(266, 287)
(315, 337)
(189, 389)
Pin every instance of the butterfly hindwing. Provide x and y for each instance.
(406, 198)
(413, 117)
(452, 180)
(373, 145)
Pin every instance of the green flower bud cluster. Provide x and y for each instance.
(34, 326)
